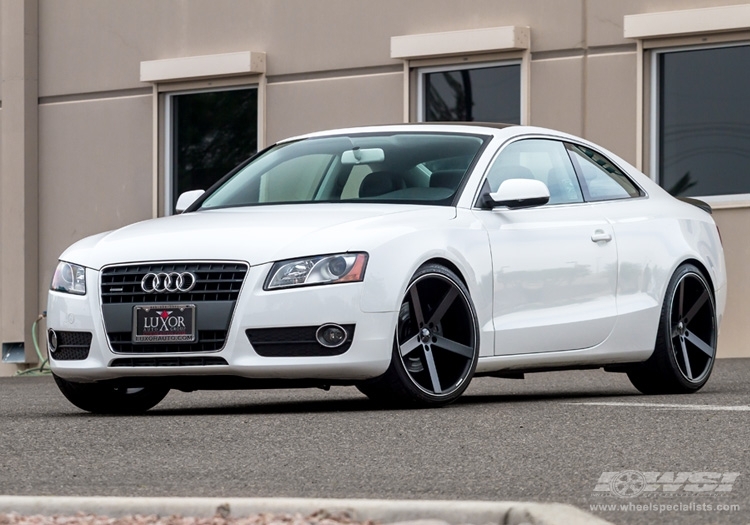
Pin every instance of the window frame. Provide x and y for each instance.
(168, 134)
(722, 200)
(421, 71)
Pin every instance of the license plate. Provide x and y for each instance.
(164, 323)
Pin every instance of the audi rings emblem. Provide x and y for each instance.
(168, 282)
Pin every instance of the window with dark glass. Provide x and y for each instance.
(212, 132)
(472, 94)
(703, 129)
(600, 179)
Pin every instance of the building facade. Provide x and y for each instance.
(110, 108)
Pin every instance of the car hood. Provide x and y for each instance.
(256, 234)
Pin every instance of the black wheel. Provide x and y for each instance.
(436, 344)
(685, 347)
(108, 399)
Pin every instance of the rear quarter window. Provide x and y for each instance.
(600, 178)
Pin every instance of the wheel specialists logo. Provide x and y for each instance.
(632, 483)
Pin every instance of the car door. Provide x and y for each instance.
(554, 266)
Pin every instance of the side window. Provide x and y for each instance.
(540, 159)
(600, 179)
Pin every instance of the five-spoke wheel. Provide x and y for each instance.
(686, 343)
(436, 342)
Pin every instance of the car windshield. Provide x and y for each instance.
(408, 167)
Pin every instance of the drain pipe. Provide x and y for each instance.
(40, 370)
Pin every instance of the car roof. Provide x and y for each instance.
(487, 128)
(499, 130)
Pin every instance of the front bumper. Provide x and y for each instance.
(368, 356)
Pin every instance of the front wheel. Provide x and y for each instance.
(102, 398)
(685, 347)
(436, 344)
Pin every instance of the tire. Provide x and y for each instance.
(108, 399)
(436, 344)
(685, 348)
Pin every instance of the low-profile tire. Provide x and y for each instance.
(436, 344)
(685, 348)
(102, 398)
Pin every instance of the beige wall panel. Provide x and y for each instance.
(1, 54)
(610, 112)
(733, 336)
(604, 18)
(353, 33)
(92, 46)
(557, 94)
(89, 45)
(95, 172)
(1, 246)
(301, 107)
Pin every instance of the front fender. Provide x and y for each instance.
(462, 241)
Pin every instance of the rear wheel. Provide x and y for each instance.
(685, 347)
(102, 398)
(436, 343)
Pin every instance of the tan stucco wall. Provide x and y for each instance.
(95, 172)
(91, 46)
(734, 334)
(557, 94)
(19, 169)
(5, 370)
(328, 65)
(610, 102)
(304, 106)
(604, 20)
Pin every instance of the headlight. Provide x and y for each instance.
(70, 278)
(323, 269)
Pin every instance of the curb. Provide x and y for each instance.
(384, 511)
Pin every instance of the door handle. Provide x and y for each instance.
(601, 236)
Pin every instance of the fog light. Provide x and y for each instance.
(331, 335)
(52, 340)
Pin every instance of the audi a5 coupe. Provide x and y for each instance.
(404, 260)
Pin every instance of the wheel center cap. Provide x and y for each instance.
(425, 335)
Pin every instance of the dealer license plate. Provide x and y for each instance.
(164, 323)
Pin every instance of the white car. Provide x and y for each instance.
(401, 259)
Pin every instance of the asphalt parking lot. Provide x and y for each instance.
(584, 438)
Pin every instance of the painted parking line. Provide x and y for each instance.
(674, 406)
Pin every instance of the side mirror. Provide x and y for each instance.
(187, 199)
(517, 193)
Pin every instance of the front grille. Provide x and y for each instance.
(217, 287)
(294, 341)
(168, 361)
(215, 282)
(72, 346)
(208, 341)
